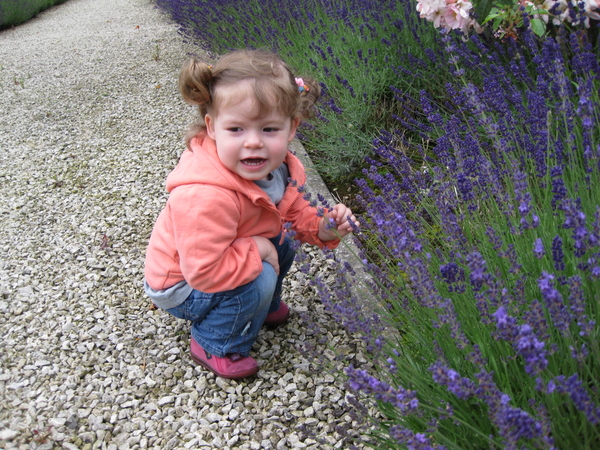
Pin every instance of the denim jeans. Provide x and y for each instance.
(229, 321)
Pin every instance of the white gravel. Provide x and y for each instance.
(90, 124)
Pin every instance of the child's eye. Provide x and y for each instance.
(270, 129)
(234, 129)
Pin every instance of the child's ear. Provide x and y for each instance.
(295, 123)
(210, 128)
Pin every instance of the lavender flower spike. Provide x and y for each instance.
(412, 440)
(538, 248)
(403, 399)
(554, 302)
(524, 341)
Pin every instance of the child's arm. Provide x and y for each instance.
(335, 223)
(267, 251)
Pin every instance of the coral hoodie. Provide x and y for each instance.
(204, 233)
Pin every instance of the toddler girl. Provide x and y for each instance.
(217, 255)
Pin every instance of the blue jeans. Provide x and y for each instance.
(229, 322)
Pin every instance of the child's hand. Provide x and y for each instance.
(267, 251)
(335, 223)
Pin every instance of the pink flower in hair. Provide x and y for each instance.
(301, 86)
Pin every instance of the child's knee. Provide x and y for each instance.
(266, 283)
(268, 271)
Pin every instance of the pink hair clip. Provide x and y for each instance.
(301, 86)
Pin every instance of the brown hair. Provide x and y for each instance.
(269, 78)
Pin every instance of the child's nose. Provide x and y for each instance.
(253, 140)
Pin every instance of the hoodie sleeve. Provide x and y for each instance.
(298, 211)
(305, 223)
(205, 221)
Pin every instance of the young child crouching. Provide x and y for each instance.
(218, 255)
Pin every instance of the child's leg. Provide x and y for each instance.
(229, 322)
(286, 259)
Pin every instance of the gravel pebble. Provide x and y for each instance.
(91, 123)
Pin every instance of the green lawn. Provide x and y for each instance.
(15, 12)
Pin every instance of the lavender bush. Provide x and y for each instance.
(482, 220)
(485, 256)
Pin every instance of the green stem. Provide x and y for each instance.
(466, 424)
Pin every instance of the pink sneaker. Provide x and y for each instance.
(232, 366)
(278, 317)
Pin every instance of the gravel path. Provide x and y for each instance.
(90, 124)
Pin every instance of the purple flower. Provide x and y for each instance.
(495, 240)
(557, 253)
(447, 316)
(523, 199)
(511, 254)
(535, 316)
(575, 220)
(531, 349)
(558, 185)
(516, 424)
(478, 267)
(412, 440)
(451, 273)
(461, 387)
(584, 59)
(524, 341)
(403, 399)
(465, 187)
(561, 318)
(432, 113)
(503, 320)
(578, 394)
(422, 283)
(512, 423)
(578, 305)
(538, 248)
(454, 276)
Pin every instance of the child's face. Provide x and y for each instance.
(247, 144)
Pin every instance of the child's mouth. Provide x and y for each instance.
(253, 161)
